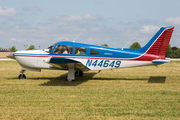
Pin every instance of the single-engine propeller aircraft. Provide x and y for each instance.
(78, 57)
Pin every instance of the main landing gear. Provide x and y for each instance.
(22, 75)
(79, 73)
(73, 75)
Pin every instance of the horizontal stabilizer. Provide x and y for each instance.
(167, 60)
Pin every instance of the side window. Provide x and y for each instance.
(94, 52)
(80, 51)
(63, 49)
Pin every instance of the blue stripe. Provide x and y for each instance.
(160, 61)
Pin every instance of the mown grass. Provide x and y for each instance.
(119, 94)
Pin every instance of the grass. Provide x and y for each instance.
(131, 93)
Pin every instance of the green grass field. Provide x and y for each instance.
(131, 93)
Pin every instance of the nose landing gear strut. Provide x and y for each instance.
(22, 75)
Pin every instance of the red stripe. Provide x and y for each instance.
(31, 56)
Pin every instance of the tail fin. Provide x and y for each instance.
(159, 43)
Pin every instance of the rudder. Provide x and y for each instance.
(159, 43)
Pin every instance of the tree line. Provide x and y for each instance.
(31, 47)
(171, 53)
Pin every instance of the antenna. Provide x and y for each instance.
(77, 37)
(125, 45)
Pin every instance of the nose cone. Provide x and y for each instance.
(11, 55)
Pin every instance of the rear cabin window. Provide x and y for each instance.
(80, 51)
(63, 49)
(94, 52)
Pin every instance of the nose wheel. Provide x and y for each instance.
(22, 75)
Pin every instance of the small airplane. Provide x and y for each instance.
(78, 57)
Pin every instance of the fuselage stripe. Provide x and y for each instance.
(70, 57)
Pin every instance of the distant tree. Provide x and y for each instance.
(135, 45)
(106, 45)
(175, 54)
(13, 49)
(31, 47)
(174, 48)
(169, 51)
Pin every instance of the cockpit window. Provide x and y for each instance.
(80, 51)
(49, 48)
(63, 49)
(94, 52)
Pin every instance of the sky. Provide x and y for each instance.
(118, 23)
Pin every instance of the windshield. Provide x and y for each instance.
(49, 48)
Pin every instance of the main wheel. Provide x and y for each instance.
(22, 76)
(76, 74)
(81, 73)
(66, 78)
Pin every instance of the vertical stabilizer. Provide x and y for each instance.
(159, 43)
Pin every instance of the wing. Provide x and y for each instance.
(62, 63)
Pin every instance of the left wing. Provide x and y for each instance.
(62, 63)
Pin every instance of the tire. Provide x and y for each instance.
(22, 76)
(66, 79)
(81, 73)
(76, 74)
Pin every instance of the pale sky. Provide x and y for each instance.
(114, 22)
